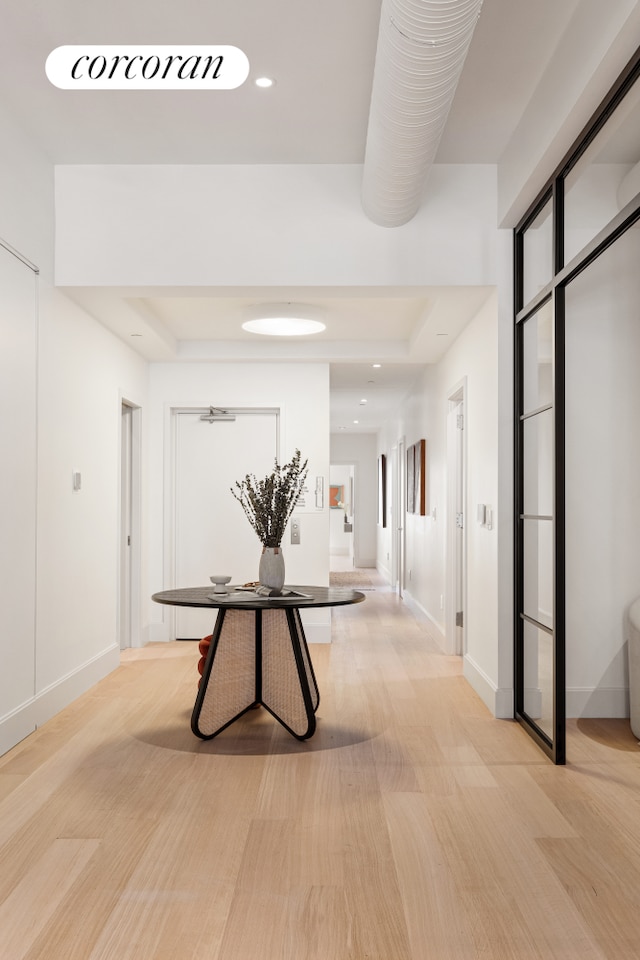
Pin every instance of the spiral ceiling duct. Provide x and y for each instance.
(422, 45)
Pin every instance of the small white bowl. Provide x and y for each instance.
(220, 582)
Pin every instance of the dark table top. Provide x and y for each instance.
(204, 597)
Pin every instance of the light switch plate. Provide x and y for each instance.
(295, 530)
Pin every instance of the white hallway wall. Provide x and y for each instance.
(82, 372)
(602, 469)
(473, 360)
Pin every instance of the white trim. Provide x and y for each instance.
(317, 632)
(418, 610)
(19, 256)
(498, 700)
(33, 713)
(135, 557)
(597, 702)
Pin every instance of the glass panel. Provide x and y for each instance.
(538, 464)
(537, 359)
(538, 254)
(538, 677)
(606, 177)
(538, 570)
(602, 469)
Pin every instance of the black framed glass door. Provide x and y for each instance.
(566, 296)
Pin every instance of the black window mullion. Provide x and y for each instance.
(559, 573)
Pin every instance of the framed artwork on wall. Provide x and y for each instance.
(336, 496)
(382, 490)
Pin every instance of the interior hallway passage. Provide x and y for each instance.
(412, 826)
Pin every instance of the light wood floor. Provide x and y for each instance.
(413, 826)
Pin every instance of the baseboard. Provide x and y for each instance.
(499, 700)
(610, 702)
(17, 725)
(421, 612)
(317, 625)
(317, 633)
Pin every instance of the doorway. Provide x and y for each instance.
(397, 516)
(456, 552)
(342, 516)
(130, 533)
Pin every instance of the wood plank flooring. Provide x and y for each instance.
(413, 826)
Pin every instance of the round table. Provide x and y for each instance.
(258, 656)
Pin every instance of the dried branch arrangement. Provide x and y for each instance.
(269, 503)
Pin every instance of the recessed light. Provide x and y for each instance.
(362, 403)
(376, 365)
(264, 82)
(356, 421)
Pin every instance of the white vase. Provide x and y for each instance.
(271, 570)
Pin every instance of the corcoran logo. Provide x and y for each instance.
(147, 67)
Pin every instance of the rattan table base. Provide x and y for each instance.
(257, 657)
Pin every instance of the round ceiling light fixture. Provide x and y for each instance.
(283, 320)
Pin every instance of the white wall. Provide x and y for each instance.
(301, 393)
(82, 372)
(360, 449)
(266, 225)
(18, 492)
(602, 470)
(472, 360)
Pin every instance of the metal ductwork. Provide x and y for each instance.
(422, 46)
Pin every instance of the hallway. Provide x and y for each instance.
(413, 826)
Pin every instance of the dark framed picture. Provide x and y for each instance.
(382, 490)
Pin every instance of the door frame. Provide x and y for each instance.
(398, 515)
(131, 635)
(456, 548)
(170, 512)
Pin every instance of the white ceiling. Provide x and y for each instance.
(321, 56)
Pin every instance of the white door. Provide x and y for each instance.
(460, 522)
(126, 491)
(213, 535)
(455, 585)
(397, 518)
(18, 285)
